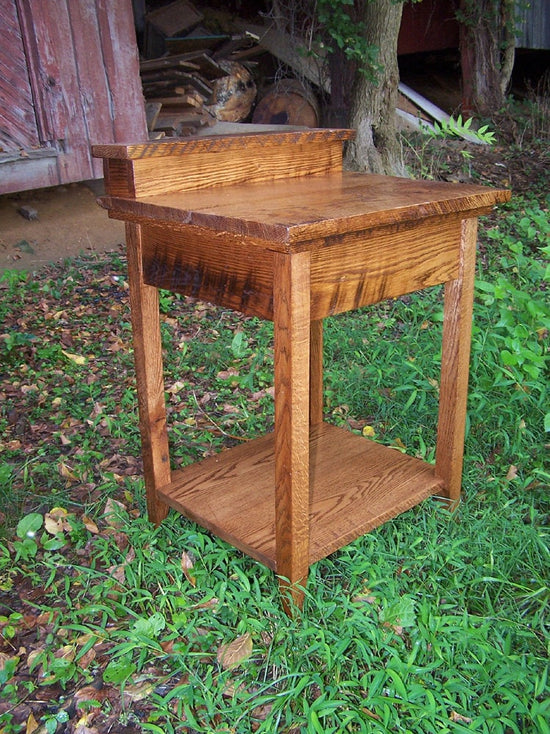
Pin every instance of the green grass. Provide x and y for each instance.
(431, 623)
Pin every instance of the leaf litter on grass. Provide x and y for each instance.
(109, 624)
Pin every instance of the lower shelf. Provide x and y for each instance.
(355, 486)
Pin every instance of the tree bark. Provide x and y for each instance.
(487, 47)
(376, 148)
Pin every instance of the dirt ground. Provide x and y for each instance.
(68, 222)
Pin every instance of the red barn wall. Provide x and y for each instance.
(69, 78)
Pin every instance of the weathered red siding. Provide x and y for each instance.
(69, 78)
(17, 121)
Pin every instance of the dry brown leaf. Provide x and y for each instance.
(236, 652)
(76, 358)
(142, 690)
(67, 652)
(112, 509)
(187, 567)
(56, 522)
(365, 597)
(32, 725)
(67, 473)
(118, 573)
(87, 659)
(512, 472)
(86, 694)
(90, 525)
(454, 716)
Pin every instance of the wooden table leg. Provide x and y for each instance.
(291, 341)
(316, 373)
(144, 304)
(455, 359)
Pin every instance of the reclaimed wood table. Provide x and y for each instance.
(269, 224)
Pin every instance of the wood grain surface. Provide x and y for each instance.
(356, 485)
(270, 225)
(250, 143)
(306, 212)
(291, 325)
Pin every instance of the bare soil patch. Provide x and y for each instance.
(68, 222)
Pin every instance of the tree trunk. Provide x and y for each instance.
(376, 147)
(487, 47)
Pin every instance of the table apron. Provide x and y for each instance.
(346, 272)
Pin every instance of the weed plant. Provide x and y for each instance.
(431, 623)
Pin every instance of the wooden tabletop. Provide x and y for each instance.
(293, 212)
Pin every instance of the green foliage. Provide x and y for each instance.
(429, 623)
(461, 128)
(341, 30)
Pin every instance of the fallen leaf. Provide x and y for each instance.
(187, 567)
(512, 472)
(454, 716)
(398, 444)
(365, 598)
(76, 358)
(67, 473)
(90, 525)
(32, 725)
(111, 512)
(236, 652)
(434, 383)
(67, 652)
(142, 690)
(56, 522)
(368, 431)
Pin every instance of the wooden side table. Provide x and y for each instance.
(270, 225)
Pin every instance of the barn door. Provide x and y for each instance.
(69, 78)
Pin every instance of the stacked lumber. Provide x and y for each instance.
(199, 78)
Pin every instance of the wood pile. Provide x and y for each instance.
(200, 78)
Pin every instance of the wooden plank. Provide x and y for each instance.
(74, 95)
(373, 265)
(284, 47)
(356, 485)
(306, 211)
(144, 303)
(52, 66)
(316, 373)
(166, 64)
(455, 360)
(175, 17)
(251, 142)
(291, 323)
(19, 127)
(153, 176)
(93, 95)
(192, 262)
(18, 175)
(152, 110)
(121, 62)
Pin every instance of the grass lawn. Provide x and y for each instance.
(431, 623)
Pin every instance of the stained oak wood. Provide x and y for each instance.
(144, 305)
(157, 175)
(356, 485)
(316, 372)
(291, 276)
(308, 212)
(221, 270)
(455, 358)
(318, 242)
(237, 143)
